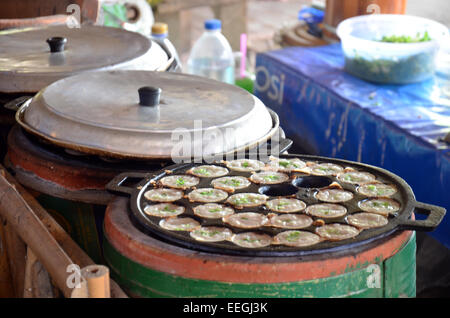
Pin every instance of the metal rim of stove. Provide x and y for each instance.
(284, 143)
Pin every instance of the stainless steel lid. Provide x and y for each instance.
(101, 113)
(28, 65)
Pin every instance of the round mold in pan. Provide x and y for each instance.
(300, 186)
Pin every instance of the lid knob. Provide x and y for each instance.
(56, 44)
(149, 95)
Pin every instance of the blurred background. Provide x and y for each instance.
(260, 19)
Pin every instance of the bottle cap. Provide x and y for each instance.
(213, 24)
(160, 28)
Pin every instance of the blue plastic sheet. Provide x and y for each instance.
(331, 113)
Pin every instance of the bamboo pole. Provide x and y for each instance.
(37, 282)
(28, 284)
(57, 231)
(31, 230)
(16, 251)
(97, 278)
(94, 283)
(7, 285)
(72, 249)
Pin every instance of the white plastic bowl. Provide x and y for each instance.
(396, 63)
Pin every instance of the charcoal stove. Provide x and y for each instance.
(32, 58)
(69, 159)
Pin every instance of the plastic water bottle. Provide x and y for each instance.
(211, 56)
(160, 33)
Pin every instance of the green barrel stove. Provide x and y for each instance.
(70, 187)
(150, 259)
(68, 145)
(147, 267)
(31, 59)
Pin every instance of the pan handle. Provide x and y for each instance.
(435, 215)
(16, 103)
(115, 185)
(285, 144)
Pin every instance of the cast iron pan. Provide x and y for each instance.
(303, 187)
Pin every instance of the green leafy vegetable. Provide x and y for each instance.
(232, 182)
(241, 200)
(208, 233)
(406, 38)
(271, 178)
(349, 178)
(284, 164)
(202, 171)
(168, 209)
(293, 236)
(333, 231)
(282, 204)
(249, 240)
(183, 227)
(401, 70)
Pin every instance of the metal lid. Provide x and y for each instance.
(103, 113)
(29, 57)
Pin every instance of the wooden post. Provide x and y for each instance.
(76, 254)
(37, 281)
(16, 251)
(27, 225)
(6, 285)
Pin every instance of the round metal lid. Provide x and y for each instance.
(101, 113)
(27, 63)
